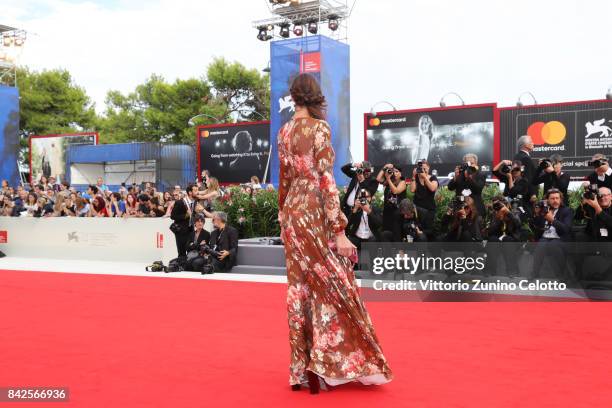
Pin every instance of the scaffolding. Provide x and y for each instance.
(302, 13)
(12, 41)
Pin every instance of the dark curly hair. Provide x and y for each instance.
(306, 91)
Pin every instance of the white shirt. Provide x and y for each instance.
(364, 231)
(608, 173)
(350, 200)
(551, 232)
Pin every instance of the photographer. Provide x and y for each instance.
(463, 220)
(516, 186)
(469, 181)
(602, 175)
(414, 223)
(549, 172)
(364, 221)
(525, 146)
(597, 210)
(361, 178)
(424, 187)
(180, 214)
(197, 237)
(395, 191)
(223, 243)
(504, 227)
(552, 225)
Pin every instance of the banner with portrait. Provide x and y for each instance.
(48, 153)
(233, 153)
(442, 136)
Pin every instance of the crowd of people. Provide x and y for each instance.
(187, 207)
(516, 215)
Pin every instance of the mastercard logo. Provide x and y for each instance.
(374, 122)
(205, 133)
(551, 133)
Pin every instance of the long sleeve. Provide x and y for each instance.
(324, 156)
(284, 175)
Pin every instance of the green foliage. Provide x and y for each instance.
(51, 102)
(255, 216)
(239, 89)
(156, 111)
(160, 111)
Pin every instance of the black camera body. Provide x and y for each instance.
(410, 229)
(207, 250)
(419, 168)
(543, 206)
(505, 169)
(597, 163)
(458, 203)
(590, 192)
(467, 166)
(498, 205)
(390, 170)
(363, 197)
(545, 163)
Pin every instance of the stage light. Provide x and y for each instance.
(263, 34)
(443, 103)
(313, 26)
(374, 113)
(7, 41)
(333, 23)
(270, 27)
(298, 29)
(18, 42)
(284, 30)
(520, 103)
(609, 94)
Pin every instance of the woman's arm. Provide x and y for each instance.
(284, 178)
(324, 163)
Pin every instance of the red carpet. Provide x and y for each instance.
(120, 341)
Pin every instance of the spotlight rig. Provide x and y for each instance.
(305, 15)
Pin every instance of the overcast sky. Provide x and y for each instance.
(407, 52)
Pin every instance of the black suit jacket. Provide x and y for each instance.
(475, 185)
(562, 223)
(530, 170)
(551, 180)
(369, 184)
(374, 222)
(204, 236)
(226, 240)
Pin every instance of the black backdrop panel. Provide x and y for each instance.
(234, 153)
(442, 136)
(575, 131)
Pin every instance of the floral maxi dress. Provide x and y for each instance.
(330, 331)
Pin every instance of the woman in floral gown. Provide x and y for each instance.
(330, 331)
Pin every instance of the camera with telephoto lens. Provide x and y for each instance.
(505, 168)
(458, 203)
(411, 231)
(390, 170)
(363, 197)
(543, 206)
(590, 192)
(545, 163)
(467, 166)
(419, 168)
(597, 163)
(207, 250)
(498, 205)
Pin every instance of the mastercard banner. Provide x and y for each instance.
(234, 152)
(575, 131)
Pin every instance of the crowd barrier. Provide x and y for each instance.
(95, 239)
